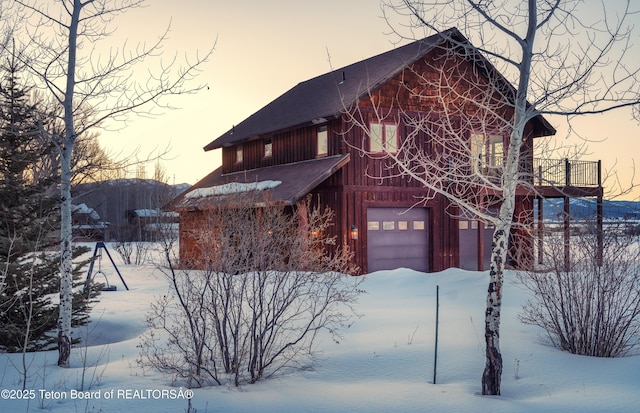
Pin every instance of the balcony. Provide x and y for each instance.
(550, 178)
(566, 177)
(566, 172)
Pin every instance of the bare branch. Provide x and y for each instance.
(463, 101)
(106, 86)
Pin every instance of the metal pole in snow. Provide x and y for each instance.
(435, 357)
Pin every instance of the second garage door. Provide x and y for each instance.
(397, 238)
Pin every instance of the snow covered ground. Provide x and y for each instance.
(384, 363)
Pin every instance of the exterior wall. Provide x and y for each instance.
(190, 249)
(362, 188)
(356, 187)
(350, 203)
(287, 147)
(521, 254)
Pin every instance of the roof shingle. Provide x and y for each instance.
(326, 96)
(297, 179)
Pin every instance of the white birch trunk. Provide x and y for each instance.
(66, 294)
(66, 265)
(491, 377)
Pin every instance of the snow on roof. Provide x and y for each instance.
(152, 213)
(97, 225)
(84, 209)
(232, 188)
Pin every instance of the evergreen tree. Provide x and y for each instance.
(29, 276)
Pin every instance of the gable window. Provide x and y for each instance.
(268, 148)
(239, 156)
(486, 153)
(383, 137)
(323, 141)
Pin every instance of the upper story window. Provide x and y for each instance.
(487, 154)
(268, 148)
(239, 157)
(383, 137)
(323, 141)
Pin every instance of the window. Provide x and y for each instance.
(375, 138)
(373, 225)
(388, 225)
(268, 148)
(323, 144)
(239, 154)
(383, 137)
(486, 154)
(391, 138)
(496, 150)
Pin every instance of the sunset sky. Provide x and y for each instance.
(262, 49)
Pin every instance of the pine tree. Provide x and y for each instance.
(29, 275)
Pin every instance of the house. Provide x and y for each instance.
(305, 143)
(149, 224)
(87, 225)
(130, 206)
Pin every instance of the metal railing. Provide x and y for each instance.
(566, 172)
(547, 172)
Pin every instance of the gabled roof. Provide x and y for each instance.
(325, 97)
(287, 183)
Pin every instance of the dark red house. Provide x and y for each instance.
(304, 143)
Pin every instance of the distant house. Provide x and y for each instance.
(303, 143)
(130, 206)
(87, 225)
(151, 224)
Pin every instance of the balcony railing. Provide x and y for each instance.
(567, 172)
(556, 173)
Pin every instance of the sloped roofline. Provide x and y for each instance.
(324, 97)
(294, 181)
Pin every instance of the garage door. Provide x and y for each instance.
(468, 237)
(397, 238)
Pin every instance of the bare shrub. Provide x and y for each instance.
(590, 306)
(132, 252)
(271, 280)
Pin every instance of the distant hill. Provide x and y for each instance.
(585, 208)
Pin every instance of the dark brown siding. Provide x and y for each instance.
(295, 145)
(361, 184)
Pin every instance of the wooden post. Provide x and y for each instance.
(600, 235)
(600, 215)
(480, 243)
(540, 230)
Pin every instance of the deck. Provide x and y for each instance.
(560, 178)
(565, 178)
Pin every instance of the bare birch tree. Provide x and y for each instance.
(558, 64)
(64, 35)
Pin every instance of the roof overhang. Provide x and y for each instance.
(226, 143)
(542, 127)
(281, 184)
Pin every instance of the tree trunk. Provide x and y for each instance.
(66, 310)
(66, 149)
(491, 377)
